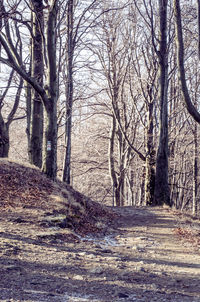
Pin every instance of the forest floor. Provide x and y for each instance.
(140, 254)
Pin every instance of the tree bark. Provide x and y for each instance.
(116, 195)
(195, 171)
(36, 129)
(150, 159)
(69, 94)
(122, 168)
(4, 138)
(198, 17)
(49, 166)
(5, 125)
(162, 192)
(28, 91)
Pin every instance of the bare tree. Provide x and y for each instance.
(77, 28)
(180, 57)
(49, 92)
(162, 192)
(11, 116)
(37, 72)
(191, 108)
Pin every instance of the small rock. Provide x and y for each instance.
(82, 254)
(90, 256)
(78, 277)
(140, 269)
(140, 238)
(154, 286)
(139, 248)
(97, 270)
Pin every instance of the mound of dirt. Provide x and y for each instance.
(28, 195)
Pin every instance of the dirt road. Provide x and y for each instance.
(139, 258)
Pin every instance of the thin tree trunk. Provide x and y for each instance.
(4, 126)
(69, 95)
(141, 185)
(116, 195)
(121, 164)
(198, 14)
(28, 117)
(150, 159)
(195, 171)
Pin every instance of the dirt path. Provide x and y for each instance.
(140, 258)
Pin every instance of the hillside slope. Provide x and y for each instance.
(27, 194)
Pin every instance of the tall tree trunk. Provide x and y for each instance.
(116, 194)
(150, 159)
(122, 168)
(49, 166)
(69, 94)
(140, 199)
(198, 15)
(28, 91)
(188, 102)
(162, 192)
(36, 129)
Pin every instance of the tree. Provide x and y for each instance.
(5, 123)
(49, 92)
(111, 48)
(180, 58)
(77, 28)
(187, 98)
(71, 42)
(37, 72)
(155, 56)
(144, 58)
(162, 192)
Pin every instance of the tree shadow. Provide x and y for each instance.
(127, 278)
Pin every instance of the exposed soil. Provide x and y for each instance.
(134, 254)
